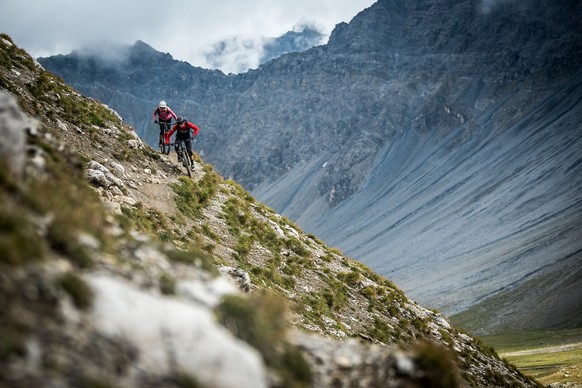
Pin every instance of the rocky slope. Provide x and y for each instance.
(436, 141)
(117, 270)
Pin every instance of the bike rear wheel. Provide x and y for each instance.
(165, 148)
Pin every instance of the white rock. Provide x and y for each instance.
(113, 207)
(171, 333)
(118, 167)
(133, 144)
(62, 125)
(89, 241)
(13, 123)
(207, 293)
(108, 178)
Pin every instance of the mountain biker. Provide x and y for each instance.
(182, 129)
(164, 117)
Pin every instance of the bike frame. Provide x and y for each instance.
(184, 152)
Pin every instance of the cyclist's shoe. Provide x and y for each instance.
(179, 157)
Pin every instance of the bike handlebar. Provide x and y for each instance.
(181, 141)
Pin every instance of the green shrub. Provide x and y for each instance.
(210, 233)
(205, 188)
(336, 296)
(420, 324)
(167, 284)
(292, 268)
(76, 287)
(97, 382)
(185, 380)
(370, 292)
(150, 221)
(12, 341)
(73, 206)
(438, 364)
(192, 196)
(269, 274)
(19, 242)
(240, 192)
(192, 256)
(260, 320)
(209, 248)
(335, 251)
(352, 278)
(295, 371)
(243, 246)
(296, 246)
(380, 330)
(64, 240)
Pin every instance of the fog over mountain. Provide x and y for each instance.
(439, 143)
(239, 54)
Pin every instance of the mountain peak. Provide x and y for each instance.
(455, 27)
(142, 48)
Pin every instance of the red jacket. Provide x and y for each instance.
(182, 129)
(165, 114)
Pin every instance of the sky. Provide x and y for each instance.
(187, 29)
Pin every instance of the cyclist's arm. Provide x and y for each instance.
(194, 128)
(169, 134)
(172, 114)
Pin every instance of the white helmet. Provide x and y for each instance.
(163, 104)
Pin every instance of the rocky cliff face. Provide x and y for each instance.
(117, 270)
(436, 142)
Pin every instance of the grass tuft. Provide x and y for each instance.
(76, 287)
(438, 364)
(260, 320)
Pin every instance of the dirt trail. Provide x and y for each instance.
(156, 192)
(547, 349)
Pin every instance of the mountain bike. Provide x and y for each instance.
(183, 156)
(165, 148)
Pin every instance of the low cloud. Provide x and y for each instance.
(188, 30)
(236, 54)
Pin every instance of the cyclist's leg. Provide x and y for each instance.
(189, 149)
(162, 124)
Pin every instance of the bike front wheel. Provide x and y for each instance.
(186, 163)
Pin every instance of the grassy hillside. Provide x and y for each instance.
(548, 356)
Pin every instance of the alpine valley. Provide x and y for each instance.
(439, 143)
